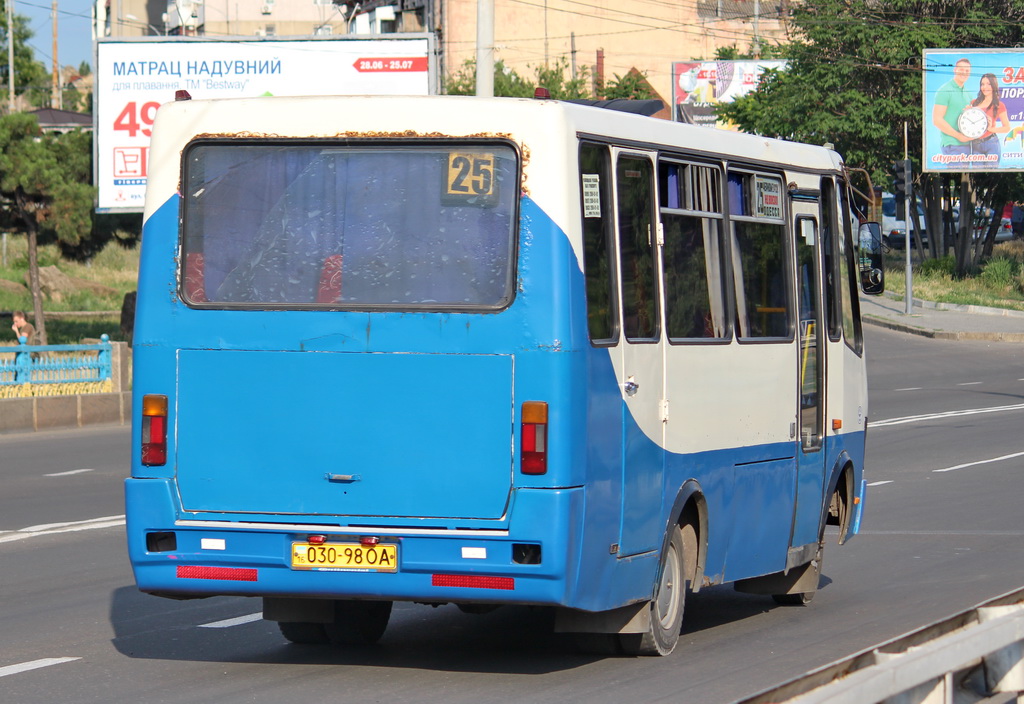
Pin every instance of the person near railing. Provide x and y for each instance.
(23, 329)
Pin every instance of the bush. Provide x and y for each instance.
(1000, 272)
(942, 266)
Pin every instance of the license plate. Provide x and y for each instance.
(345, 556)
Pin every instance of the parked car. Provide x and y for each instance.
(894, 231)
(982, 219)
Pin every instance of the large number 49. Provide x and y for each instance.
(133, 121)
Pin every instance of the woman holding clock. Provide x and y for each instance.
(985, 119)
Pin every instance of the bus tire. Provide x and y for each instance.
(666, 608)
(304, 633)
(800, 599)
(358, 622)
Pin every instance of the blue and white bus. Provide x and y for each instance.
(489, 351)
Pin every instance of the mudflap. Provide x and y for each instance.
(634, 618)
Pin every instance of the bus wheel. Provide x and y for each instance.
(666, 606)
(358, 622)
(801, 599)
(304, 633)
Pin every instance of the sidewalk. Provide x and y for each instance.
(944, 321)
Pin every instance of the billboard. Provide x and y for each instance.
(133, 78)
(697, 86)
(973, 101)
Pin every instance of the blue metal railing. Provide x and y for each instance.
(54, 364)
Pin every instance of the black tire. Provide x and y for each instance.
(358, 622)
(801, 599)
(666, 608)
(304, 633)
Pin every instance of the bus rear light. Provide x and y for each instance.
(472, 581)
(534, 438)
(316, 539)
(154, 430)
(231, 574)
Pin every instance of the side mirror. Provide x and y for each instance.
(872, 268)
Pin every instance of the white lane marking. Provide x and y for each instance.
(972, 464)
(69, 473)
(969, 383)
(228, 623)
(946, 414)
(886, 481)
(51, 528)
(33, 665)
(909, 388)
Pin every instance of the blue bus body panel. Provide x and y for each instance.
(334, 433)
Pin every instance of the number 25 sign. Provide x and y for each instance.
(470, 179)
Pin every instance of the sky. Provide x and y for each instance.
(74, 30)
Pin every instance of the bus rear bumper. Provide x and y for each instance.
(529, 561)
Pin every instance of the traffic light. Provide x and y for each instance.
(901, 171)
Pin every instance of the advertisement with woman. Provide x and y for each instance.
(973, 110)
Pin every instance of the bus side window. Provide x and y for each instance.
(759, 256)
(694, 253)
(830, 230)
(847, 280)
(598, 255)
(635, 198)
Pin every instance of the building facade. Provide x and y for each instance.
(600, 39)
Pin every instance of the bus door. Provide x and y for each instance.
(811, 361)
(642, 352)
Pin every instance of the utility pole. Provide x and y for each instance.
(56, 100)
(485, 48)
(572, 52)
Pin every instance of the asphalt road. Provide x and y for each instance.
(942, 532)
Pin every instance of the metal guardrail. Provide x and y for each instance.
(55, 364)
(969, 657)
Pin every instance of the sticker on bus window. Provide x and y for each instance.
(591, 195)
(768, 198)
(470, 179)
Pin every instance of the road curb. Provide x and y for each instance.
(71, 411)
(943, 334)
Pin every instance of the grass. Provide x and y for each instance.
(114, 267)
(999, 283)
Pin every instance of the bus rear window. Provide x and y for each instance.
(279, 225)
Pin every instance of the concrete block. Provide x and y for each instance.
(17, 414)
(56, 412)
(100, 408)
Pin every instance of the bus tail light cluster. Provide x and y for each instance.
(534, 441)
(154, 430)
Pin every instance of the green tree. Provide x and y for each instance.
(508, 83)
(44, 190)
(30, 76)
(632, 86)
(854, 79)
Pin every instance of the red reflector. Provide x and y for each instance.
(534, 449)
(154, 440)
(369, 540)
(472, 581)
(234, 574)
(316, 539)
